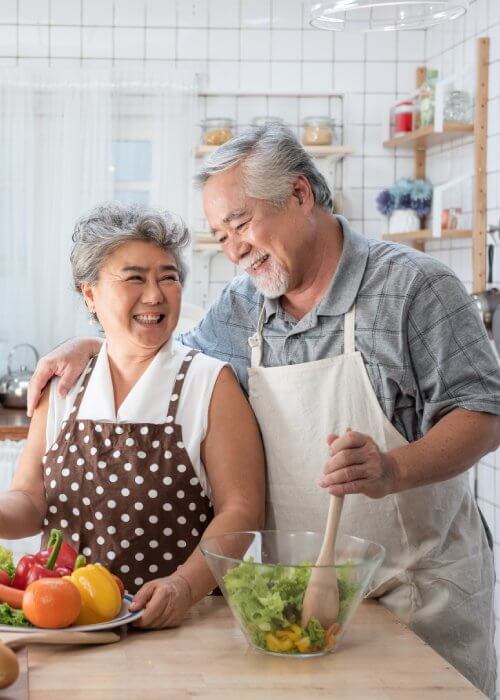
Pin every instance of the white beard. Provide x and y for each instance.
(272, 283)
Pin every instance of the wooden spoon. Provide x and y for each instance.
(321, 599)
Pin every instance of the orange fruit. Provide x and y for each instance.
(52, 603)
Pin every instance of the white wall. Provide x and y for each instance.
(236, 44)
(447, 47)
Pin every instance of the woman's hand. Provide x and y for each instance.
(66, 361)
(165, 602)
(357, 465)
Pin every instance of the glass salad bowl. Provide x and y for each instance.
(264, 574)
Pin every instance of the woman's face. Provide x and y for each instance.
(137, 296)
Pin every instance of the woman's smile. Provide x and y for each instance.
(149, 319)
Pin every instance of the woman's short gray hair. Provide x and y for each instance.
(106, 227)
(272, 159)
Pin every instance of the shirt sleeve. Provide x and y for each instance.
(227, 325)
(451, 354)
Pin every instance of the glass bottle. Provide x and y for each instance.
(427, 95)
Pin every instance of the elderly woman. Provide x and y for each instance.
(156, 443)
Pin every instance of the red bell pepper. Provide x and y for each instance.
(57, 560)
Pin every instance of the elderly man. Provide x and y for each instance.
(329, 331)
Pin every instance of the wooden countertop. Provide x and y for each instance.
(209, 658)
(14, 423)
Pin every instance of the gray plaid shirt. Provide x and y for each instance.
(422, 340)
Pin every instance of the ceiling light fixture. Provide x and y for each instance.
(384, 15)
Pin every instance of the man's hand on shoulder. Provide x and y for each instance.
(66, 361)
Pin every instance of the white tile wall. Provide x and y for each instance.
(445, 50)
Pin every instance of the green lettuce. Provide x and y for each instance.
(7, 561)
(315, 632)
(267, 598)
(15, 618)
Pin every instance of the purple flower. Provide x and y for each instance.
(385, 202)
(404, 201)
(421, 206)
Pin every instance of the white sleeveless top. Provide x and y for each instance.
(148, 400)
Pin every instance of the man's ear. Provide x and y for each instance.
(302, 191)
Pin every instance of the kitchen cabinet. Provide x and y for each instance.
(14, 424)
(208, 658)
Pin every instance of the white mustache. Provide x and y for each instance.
(248, 261)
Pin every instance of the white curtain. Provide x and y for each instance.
(57, 136)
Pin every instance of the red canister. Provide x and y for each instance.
(403, 118)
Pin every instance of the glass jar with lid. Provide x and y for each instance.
(217, 130)
(317, 131)
(458, 107)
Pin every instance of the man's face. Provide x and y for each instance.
(268, 242)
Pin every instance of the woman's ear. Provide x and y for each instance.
(88, 296)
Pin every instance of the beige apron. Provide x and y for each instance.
(437, 575)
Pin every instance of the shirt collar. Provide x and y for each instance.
(346, 280)
(98, 400)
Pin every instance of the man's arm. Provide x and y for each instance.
(458, 379)
(66, 361)
(453, 445)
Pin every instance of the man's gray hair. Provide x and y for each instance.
(272, 159)
(105, 228)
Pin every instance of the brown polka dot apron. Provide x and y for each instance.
(126, 495)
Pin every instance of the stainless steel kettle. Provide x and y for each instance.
(14, 384)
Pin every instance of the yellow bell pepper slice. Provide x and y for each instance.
(303, 645)
(100, 594)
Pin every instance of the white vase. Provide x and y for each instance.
(403, 220)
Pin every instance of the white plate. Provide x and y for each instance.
(123, 618)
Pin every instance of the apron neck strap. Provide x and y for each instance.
(255, 342)
(79, 396)
(179, 382)
(349, 330)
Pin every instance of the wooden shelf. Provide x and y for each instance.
(420, 140)
(203, 241)
(335, 152)
(14, 423)
(206, 247)
(426, 136)
(425, 234)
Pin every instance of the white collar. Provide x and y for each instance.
(98, 400)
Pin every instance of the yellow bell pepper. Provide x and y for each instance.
(100, 593)
(273, 643)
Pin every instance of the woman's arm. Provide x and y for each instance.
(233, 456)
(67, 361)
(23, 506)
